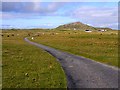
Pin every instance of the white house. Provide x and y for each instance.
(88, 31)
(102, 30)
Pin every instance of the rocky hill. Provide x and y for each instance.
(78, 26)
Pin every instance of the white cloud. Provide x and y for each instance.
(109, 24)
(95, 11)
(96, 16)
(101, 15)
(31, 7)
(7, 15)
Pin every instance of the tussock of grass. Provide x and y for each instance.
(26, 66)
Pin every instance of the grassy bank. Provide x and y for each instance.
(26, 66)
(99, 46)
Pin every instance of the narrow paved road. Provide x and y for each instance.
(82, 72)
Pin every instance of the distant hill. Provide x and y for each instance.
(104, 28)
(78, 26)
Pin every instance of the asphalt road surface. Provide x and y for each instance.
(82, 72)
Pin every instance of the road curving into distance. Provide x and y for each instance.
(82, 72)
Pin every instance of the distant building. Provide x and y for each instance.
(88, 31)
(102, 30)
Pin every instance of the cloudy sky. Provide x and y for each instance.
(53, 14)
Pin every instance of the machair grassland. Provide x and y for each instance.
(26, 66)
(99, 46)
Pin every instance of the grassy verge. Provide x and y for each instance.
(99, 46)
(26, 66)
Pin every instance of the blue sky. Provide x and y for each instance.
(52, 14)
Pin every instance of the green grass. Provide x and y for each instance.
(26, 66)
(99, 46)
(20, 58)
